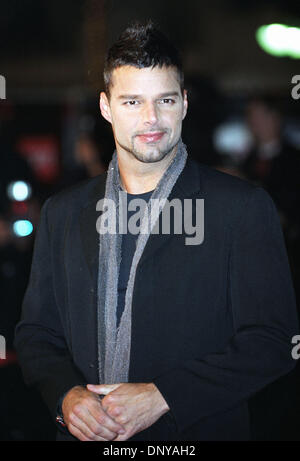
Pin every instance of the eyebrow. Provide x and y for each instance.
(136, 96)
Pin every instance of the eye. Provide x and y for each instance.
(132, 102)
(167, 101)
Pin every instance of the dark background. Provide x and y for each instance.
(52, 135)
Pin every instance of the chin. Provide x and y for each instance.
(151, 152)
(150, 155)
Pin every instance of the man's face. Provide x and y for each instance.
(263, 122)
(146, 109)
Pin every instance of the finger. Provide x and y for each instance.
(102, 388)
(77, 433)
(121, 438)
(105, 420)
(91, 429)
(80, 424)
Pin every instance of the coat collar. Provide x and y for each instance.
(187, 184)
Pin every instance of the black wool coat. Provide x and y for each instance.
(211, 323)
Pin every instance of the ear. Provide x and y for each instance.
(185, 104)
(105, 107)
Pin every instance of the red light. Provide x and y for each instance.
(19, 208)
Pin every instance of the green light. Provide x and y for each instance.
(279, 40)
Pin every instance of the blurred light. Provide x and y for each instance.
(22, 228)
(232, 138)
(279, 40)
(19, 191)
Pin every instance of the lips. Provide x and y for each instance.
(151, 137)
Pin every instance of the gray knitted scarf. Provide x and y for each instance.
(114, 343)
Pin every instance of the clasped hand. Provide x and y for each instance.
(125, 409)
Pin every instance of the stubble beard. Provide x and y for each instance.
(153, 155)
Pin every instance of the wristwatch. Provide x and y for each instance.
(60, 420)
(59, 414)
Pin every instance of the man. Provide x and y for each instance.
(274, 164)
(272, 161)
(153, 336)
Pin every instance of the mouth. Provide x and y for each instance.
(151, 137)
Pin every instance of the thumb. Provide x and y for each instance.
(103, 389)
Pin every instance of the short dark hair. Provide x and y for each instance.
(142, 45)
(268, 100)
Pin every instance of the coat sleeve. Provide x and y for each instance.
(39, 337)
(264, 315)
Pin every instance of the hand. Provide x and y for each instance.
(85, 417)
(134, 405)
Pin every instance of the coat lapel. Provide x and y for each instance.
(87, 223)
(187, 184)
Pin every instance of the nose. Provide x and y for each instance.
(150, 114)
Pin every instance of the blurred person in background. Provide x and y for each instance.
(275, 164)
(87, 161)
(272, 162)
(88, 156)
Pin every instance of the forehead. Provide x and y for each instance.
(131, 80)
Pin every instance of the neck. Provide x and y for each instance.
(137, 177)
